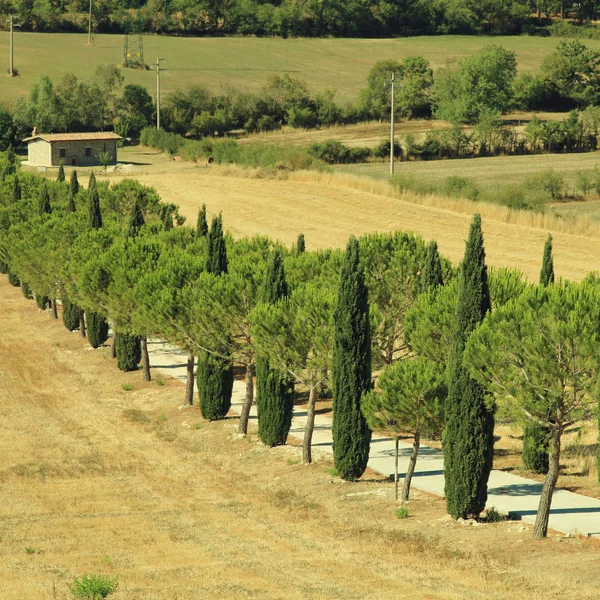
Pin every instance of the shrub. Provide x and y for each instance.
(93, 587)
(70, 314)
(493, 516)
(461, 187)
(402, 512)
(42, 301)
(549, 181)
(382, 150)
(26, 290)
(97, 329)
(13, 279)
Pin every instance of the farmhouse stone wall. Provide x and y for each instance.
(39, 153)
(48, 154)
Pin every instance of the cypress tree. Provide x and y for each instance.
(202, 223)
(42, 301)
(536, 439)
(97, 329)
(215, 374)
(94, 214)
(129, 351)
(167, 219)
(216, 255)
(92, 181)
(136, 220)
(70, 314)
(61, 172)
(16, 189)
(3, 267)
(71, 202)
(300, 245)
(275, 389)
(468, 440)
(44, 207)
(215, 386)
(13, 278)
(26, 291)
(432, 270)
(351, 373)
(74, 184)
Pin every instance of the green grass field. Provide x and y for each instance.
(342, 64)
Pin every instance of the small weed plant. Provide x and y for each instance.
(493, 516)
(93, 587)
(160, 380)
(402, 512)
(127, 387)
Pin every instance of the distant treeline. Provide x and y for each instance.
(308, 18)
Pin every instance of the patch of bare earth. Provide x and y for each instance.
(102, 480)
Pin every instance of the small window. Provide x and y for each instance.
(88, 151)
(62, 152)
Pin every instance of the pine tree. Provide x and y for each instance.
(16, 190)
(216, 255)
(215, 374)
(94, 214)
(215, 386)
(351, 373)
(97, 329)
(44, 207)
(468, 440)
(61, 172)
(536, 439)
(136, 220)
(70, 314)
(202, 224)
(275, 389)
(300, 245)
(74, 184)
(432, 270)
(129, 351)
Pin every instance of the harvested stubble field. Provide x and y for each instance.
(245, 63)
(328, 208)
(98, 479)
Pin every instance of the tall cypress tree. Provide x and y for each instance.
(216, 253)
(74, 183)
(432, 269)
(167, 219)
(97, 329)
(536, 439)
(16, 189)
(136, 220)
(44, 207)
(202, 223)
(42, 301)
(351, 373)
(300, 245)
(26, 290)
(92, 181)
(71, 201)
(61, 172)
(13, 278)
(468, 440)
(129, 351)
(275, 389)
(215, 374)
(70, 314)
(94, 214)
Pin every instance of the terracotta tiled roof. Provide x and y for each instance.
(74, 137)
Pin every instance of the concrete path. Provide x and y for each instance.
(508, 493)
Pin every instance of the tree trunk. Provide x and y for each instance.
(245, 415)
(146, 359)
(396, 469)
(82, 323)
(113, 348)
(540, 528)
(411, 467)
(310, 425)
(189, 384)
(54, 308)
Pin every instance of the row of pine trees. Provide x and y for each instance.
(325, 320)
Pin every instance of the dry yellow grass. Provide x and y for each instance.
(93, 479)
(329, 207)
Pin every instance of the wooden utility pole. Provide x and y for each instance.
(393, 84)
(89, 42)
(158, 70)
(11, 56)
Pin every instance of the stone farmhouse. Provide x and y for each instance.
(72, 149)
